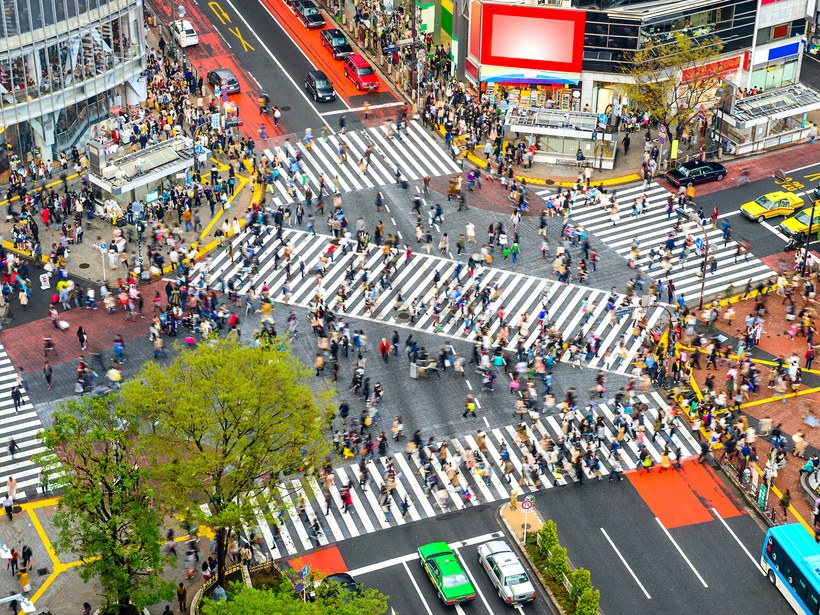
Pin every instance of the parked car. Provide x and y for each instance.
(337, 43)
(446, 573)
(506, 572)
(360, 72)
(215, 78)
(769, 205)
(182, 31)
(319, 86)
(799, 222)
(309, 14)
(696, 172)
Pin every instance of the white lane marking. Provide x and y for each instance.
(223, 38)
(276, 60)
(682, 554)
(417, 588)
(473, 581)
(469, 386)
(393, 220)
(256, 80)
(627, 566)
(808, 166)
(387, 209)
(728, 215)
(737, 540)
(371, 107)
(772, 229)
(519, 608)
(486, 422)
(401, 559)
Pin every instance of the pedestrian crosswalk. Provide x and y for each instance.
(570, 308)
(651, 230)
(20, 427)
(491, 465)
(413, 152)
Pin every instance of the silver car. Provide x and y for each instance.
(506, 572)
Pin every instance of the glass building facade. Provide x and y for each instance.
(63, 65)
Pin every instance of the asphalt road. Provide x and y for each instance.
(764, 237)
(647, 573)
(385, 561)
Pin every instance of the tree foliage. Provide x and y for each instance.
(658, 69)
(227, 420)
(588, 602)
(581, 581)
(283, 601)
(558, 565)
(106, 516)
(548, 538)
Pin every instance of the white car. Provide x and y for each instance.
(183, 33)
(506, 572)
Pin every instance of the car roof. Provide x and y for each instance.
(318, 75)
(185, 23)
(225, 73)
(333, 32)
(357, 60)
(504, 557)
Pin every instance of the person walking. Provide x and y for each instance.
(82, 337)
(785, 502)
(182, 598)
(384, 349)
(469, 406)
(8, 504)
(13, 448)
(48, 373)
(17, 398)
(13, 561)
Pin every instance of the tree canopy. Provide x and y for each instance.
(284, 601)
(107, 515)
(672, 79)
(227, 421)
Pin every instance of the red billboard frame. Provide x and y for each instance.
(549, 28)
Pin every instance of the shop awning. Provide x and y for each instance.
(500, 74)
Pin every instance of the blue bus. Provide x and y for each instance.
(791, 561)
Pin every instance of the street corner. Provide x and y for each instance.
(520, 517)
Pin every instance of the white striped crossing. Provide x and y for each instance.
(652, 229)
(416, 155)
(23, 427)
(365, 515)
(518, 293)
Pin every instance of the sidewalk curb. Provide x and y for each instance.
(523, 552)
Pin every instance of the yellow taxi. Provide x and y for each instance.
(799, 222)
(769, 205)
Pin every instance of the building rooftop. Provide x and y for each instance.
(776, 104)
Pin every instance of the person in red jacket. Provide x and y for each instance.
(384, 349)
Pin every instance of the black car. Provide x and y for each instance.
(337, 43)
(696, 172)
(309, 14)
(215, 78)
(319, 86)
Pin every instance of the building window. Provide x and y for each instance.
(781, 31)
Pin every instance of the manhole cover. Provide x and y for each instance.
(549, 182)
(526, 526)
(42, 571)
(403, 316)
(84, 265)
(285, 108)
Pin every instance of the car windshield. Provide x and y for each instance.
(802, 217)
(516, 579)
(454, 580)
(364, 71)
(765, 202)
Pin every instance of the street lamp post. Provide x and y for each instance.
(808, 234)
(684, 213)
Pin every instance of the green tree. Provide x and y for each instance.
(588, 602)
(283, 601)
(673, 79)
(228, 421)
(106, 515)
(581, 581)
(558, 565)
(548, 538)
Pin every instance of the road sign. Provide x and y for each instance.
(224, 82)
(224, 98)
(662, 130)
(198, 150)
(662, 139)
(217, 90)
(526, 504)
(699, 243)
(103, 246)
(305, 571)
(299, 588)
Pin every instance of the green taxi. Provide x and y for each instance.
(446, 573)
(769, 205)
